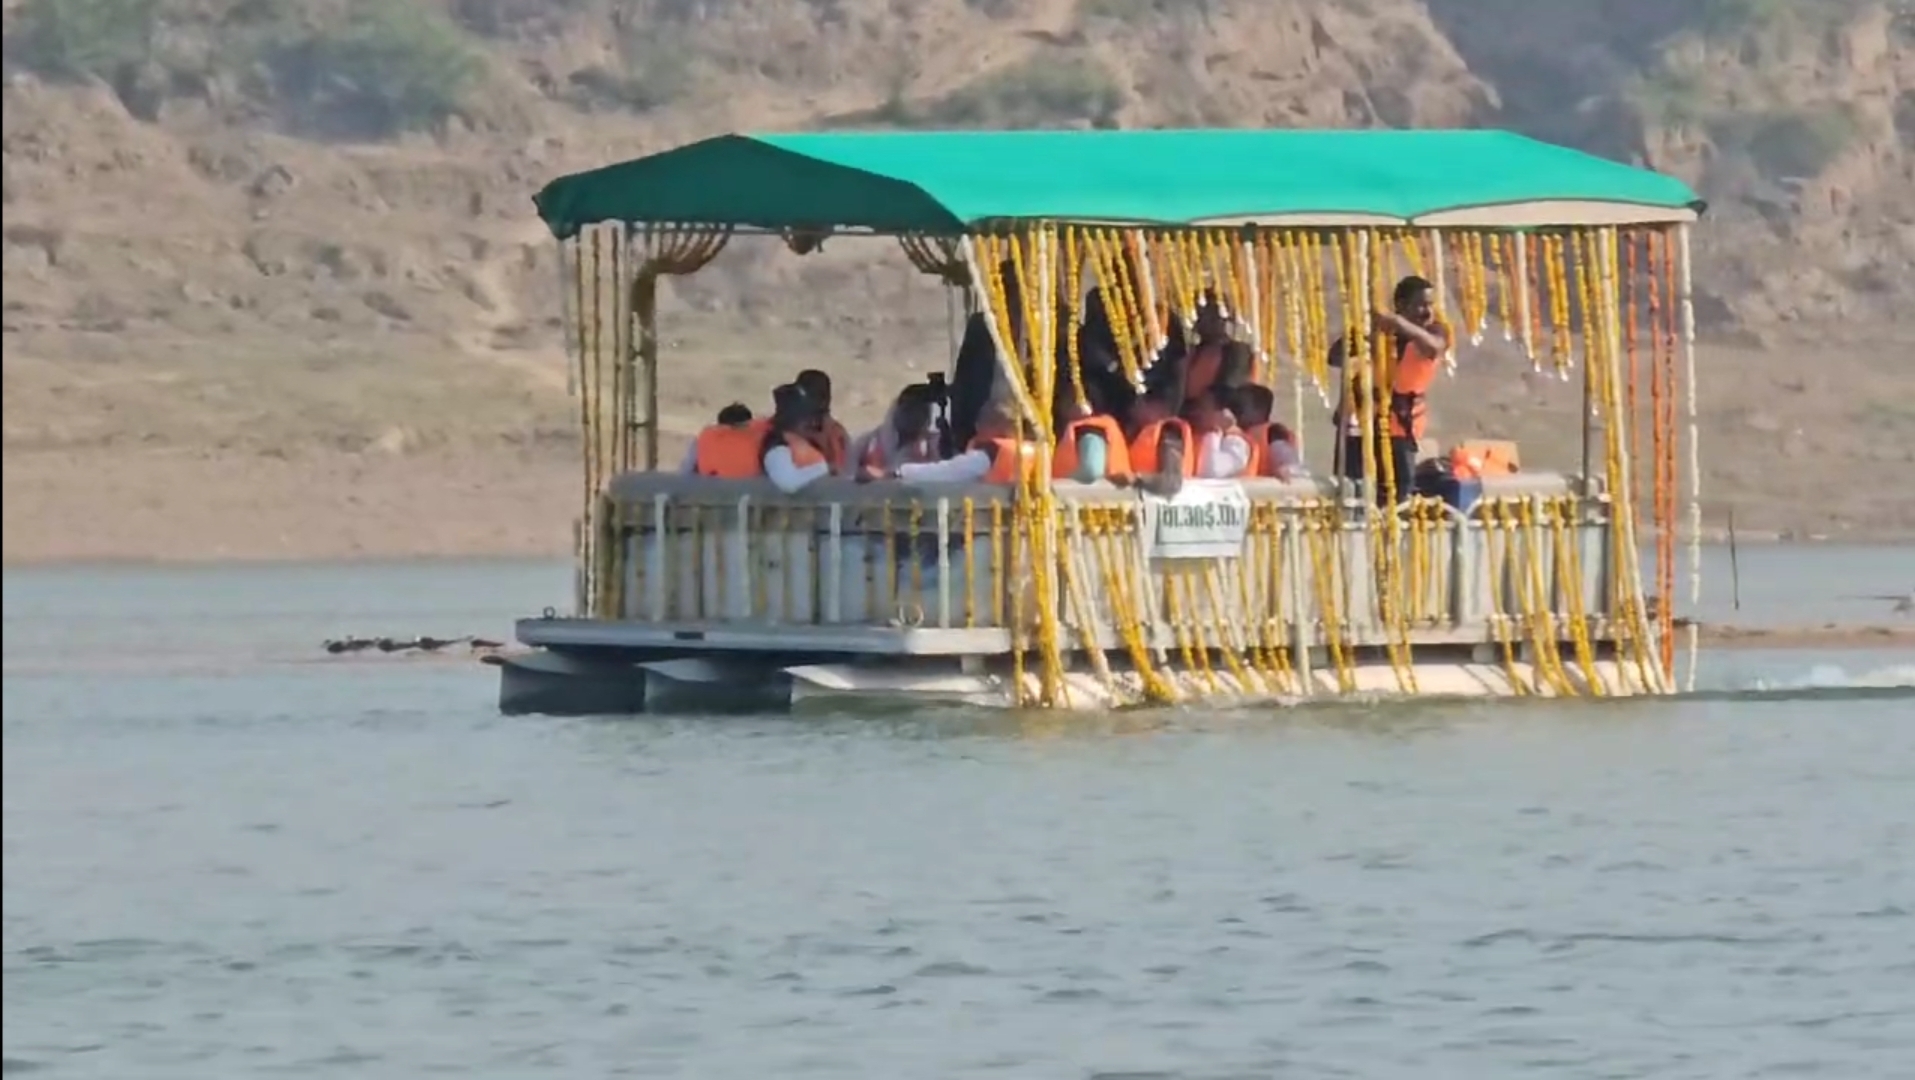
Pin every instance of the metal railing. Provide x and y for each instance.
(692, 551)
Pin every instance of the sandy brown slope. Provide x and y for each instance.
(240, 312)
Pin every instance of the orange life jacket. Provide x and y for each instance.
(728, 452)
(1406, 405)
(1116, 450)
(1478, 459)
(1258, 436)
(803, 453)
(1008, 456)
(1146, 447)
(837, 444)
(1409, 389)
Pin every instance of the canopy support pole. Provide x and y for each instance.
(644, 357)
(1588, 409)
(1685, 295)
(1439, 274)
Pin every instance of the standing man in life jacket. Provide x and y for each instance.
(1415, 341)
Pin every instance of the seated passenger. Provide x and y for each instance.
(1282, 461)
(1160, 445)
(907, 436)
(1253, 405)
(835, 441)
(727, 449)
(789, 450)
(1090, 444)
(1222, 451)
(1273, 446)
(996, 456)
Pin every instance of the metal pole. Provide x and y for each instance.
(645, 309)
(1686, 296)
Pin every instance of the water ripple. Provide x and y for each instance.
(268, 870)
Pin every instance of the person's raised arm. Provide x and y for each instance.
(1434, 338)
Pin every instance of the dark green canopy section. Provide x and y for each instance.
(952, 182)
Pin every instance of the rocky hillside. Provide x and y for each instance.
(225, 217)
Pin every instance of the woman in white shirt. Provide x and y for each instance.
(976, 464)
(907, 436)
(791, 454)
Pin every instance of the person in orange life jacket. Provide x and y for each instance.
(1223, 453)
(1418, 340)
(1273, 444)
(993, 457)
(1161, 446)
(790, 452)
(833, 439)
(907, 435)
(1254, 404)
(1091, 445)
(728, 448)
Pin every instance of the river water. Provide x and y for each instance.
(227, 857)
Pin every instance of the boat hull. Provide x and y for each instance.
(556, 683)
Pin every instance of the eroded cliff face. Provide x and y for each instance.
(1796, 120)
(300, 178)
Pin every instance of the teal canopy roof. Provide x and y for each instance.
(954, 182)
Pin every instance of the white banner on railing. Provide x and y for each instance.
(1207, 519)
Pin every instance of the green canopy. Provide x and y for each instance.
(953, 182)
